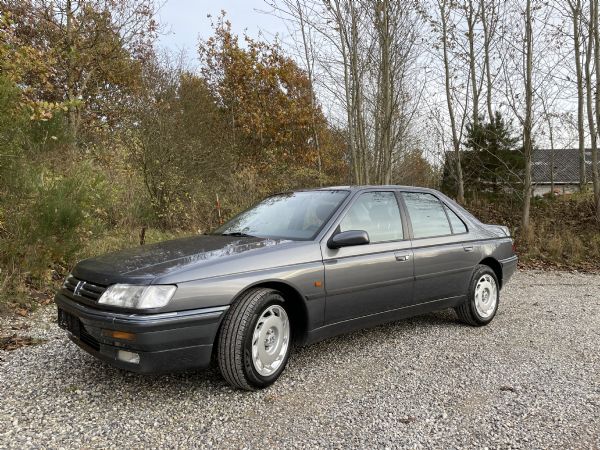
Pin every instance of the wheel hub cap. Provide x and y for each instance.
(486, 296)
(270, 340)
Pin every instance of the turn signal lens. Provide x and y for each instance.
(119, 335)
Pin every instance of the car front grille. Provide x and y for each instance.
(83, 289)
(88, 339)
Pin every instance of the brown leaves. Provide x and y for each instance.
(268, 99)
(14, 342)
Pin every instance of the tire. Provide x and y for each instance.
(255, 340)
(476, 310)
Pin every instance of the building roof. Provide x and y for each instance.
(565, 162)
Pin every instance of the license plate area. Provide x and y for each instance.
(69, 322)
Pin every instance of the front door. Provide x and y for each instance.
(377, 277)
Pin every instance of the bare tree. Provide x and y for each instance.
(384, 26)
(309, 60)
(528, 120)
(444, 7)
(530, 80)
(394, 36)
(346, 17)
(489, 17)
(367, 49)
(595, 32)
(472, 14)
(575, 11)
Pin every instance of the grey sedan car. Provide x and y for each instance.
(296, 268)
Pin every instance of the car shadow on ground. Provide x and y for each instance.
(80, 368)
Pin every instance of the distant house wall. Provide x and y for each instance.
(540, 190)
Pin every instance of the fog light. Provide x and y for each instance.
(129, 357)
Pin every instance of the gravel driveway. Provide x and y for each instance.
(531, 379)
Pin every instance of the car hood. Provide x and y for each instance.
(143, 264)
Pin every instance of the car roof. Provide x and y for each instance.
(355, 188)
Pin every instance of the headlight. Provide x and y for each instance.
(137, 297)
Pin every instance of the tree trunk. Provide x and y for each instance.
(527, 125)
(385, 89)
(471, 18)
(589, 96)
(576, 17)
(551, 137)
(596, 34)
(71, 94)
(357, 94)
(309, 70)
(348, 91)
(487, 36)
(460, 194)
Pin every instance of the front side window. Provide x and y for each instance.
(427, 215)
(295, 215)
(378, 214)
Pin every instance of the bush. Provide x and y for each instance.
(563, 232)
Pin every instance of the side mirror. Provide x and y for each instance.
(348, 238)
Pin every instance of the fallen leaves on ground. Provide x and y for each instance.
(9, 343)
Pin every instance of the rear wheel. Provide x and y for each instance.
(255, 339)
(483, 298)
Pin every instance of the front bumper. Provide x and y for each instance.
(164, 342)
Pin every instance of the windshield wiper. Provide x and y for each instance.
(237, 234)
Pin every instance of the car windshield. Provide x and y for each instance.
(295, 215)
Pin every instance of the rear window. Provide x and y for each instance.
(427, 215)
(458, 226)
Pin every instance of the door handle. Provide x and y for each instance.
(402, 257)
(468, 248)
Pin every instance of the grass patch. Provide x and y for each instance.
(28, 287)
(563, 234)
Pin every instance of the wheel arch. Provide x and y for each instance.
(493, 264)
(298, 309)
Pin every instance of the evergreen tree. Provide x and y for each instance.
(492, 157)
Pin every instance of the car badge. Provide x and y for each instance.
(80, 285)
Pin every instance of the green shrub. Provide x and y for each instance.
(58, 211)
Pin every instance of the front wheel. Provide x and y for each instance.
(255, 340)
(483, 298)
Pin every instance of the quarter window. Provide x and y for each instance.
(427, 215)
(458, 226)
(376, 213)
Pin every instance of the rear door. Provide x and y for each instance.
(368, 279)
(444, 255)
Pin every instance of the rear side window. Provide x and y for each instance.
(427, 215)
(458, 226)
(378, 214)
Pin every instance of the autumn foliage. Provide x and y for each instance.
(102, 136)
(266, 99)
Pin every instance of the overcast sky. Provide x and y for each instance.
(186, 20)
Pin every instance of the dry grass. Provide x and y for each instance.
(564, 233)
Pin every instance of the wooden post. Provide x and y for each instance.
(219, 210)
